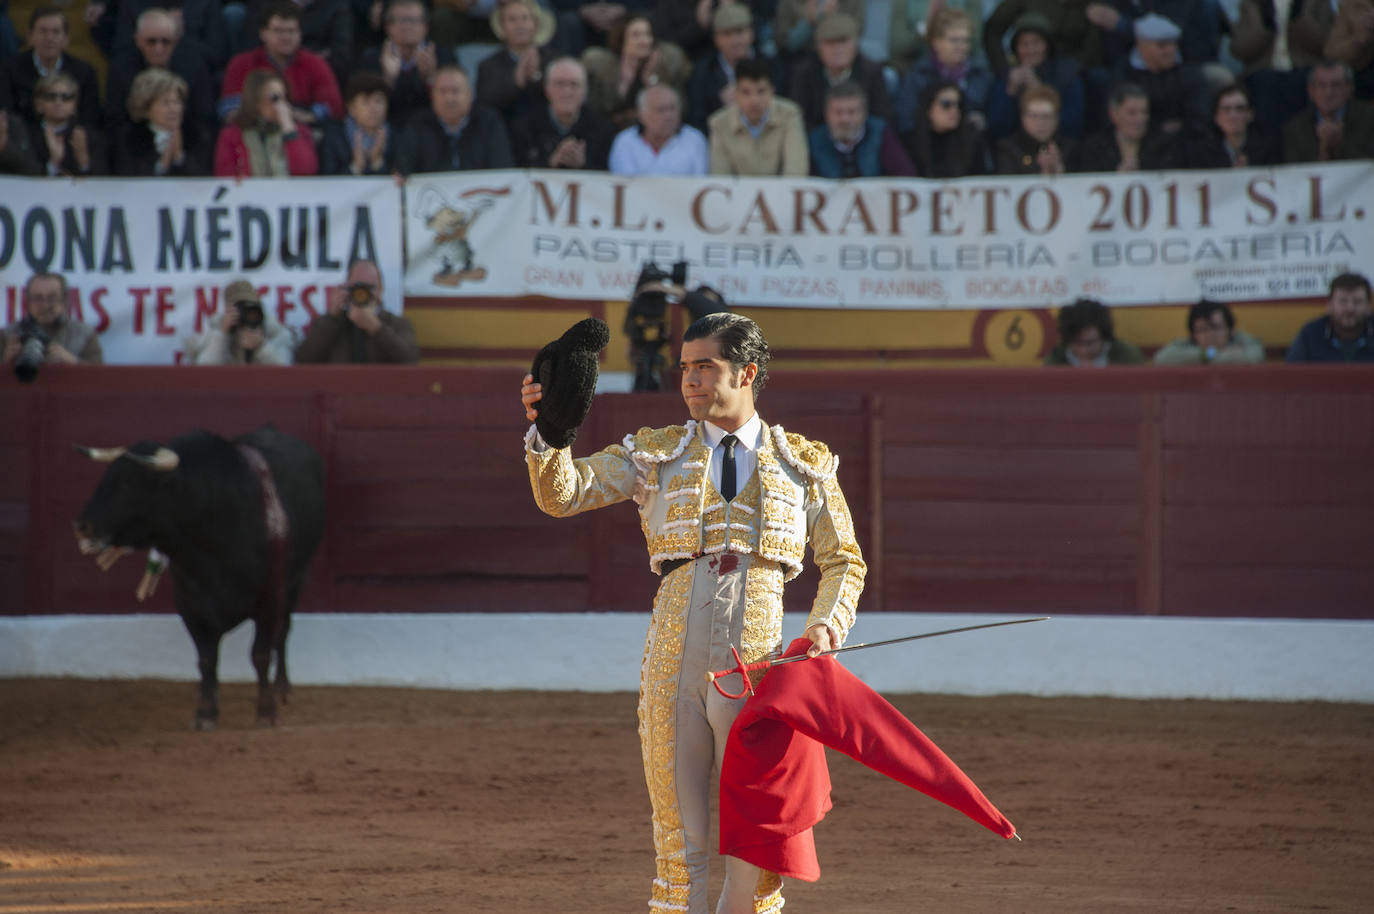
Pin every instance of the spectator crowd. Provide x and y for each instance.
(835, 88)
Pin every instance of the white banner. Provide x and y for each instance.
(148, 260)
(1128, 239)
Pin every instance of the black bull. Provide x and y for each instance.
(239, 521)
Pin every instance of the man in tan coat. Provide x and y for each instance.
(759, 133)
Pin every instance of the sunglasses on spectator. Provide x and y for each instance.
(58, 96)
(1238, 107)
(154, 40)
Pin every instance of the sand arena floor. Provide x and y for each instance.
(401, 801)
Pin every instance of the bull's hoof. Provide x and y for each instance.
(205, 724)
(266, 720)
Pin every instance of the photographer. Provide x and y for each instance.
(47, 333)
(356, 328)
(247, 333)
(647, 320)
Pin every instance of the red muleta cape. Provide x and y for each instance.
(774, 784)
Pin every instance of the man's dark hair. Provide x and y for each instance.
(43, 12)
(365, 82)
(1326, 63)
(1349, 282)
(62, 281)
(1205, 308)
(1082, 314)
(754, 68)
(741, 342)
(846, 89)
(282, 9)
(1126, 90)
(392, 4)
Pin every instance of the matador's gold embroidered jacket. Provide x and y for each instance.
(664, 471)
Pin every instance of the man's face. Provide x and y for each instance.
(48, 37)
(837, 54)
(1328, 89)
(1233, 115)
(368, 109)
(1157, 56)
(1131, 117)
(451, 97)
(1211, 331)
(45, 301)
(1349, 310)
(1040, 120)
(845, 117)
(281, 36)
(406, 26)
(753, 97)
(1087, 346)
(156, 40)
(712, 389)
(953, 47)
(660, 114)
(518, 23)
(566, 88)
(1031, 48)
(366, 273)
(735, 44)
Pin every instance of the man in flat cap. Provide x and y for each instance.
(1180, 103)
(712, 83)
(727, 505)
(837, 60)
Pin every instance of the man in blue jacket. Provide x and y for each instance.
(1345, 333)
(854, 144)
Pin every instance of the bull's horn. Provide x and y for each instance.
(164, 460)
(101, 454)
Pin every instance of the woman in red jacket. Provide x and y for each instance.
(262, 139)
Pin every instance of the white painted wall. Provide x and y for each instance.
(1070, 655)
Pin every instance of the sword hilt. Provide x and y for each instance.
(743, 669)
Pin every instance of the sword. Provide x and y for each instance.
(745, 668)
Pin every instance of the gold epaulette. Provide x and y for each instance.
(811, 457)
(659, 445)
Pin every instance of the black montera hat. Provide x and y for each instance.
(566, 369)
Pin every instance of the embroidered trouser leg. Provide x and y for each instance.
(684, 722)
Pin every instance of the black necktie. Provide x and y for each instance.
(727, 467)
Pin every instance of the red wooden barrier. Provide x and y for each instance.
(1241, 492)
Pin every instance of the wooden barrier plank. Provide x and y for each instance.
(457, 550)
(1242, 536)
(379, 503)
(1013, 421)
(474, 593)
(1089, 475)
(1216, 476)
(923, 527)
(1307, 422)
(14, 470)
(1264, 590)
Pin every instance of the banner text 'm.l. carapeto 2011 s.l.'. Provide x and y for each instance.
(1147, 238)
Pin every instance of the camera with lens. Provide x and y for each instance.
(646, 322)
(359, 295)
(33, 348)
(251, 316)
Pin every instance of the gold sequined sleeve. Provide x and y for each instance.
(837, 554)
(563, 486)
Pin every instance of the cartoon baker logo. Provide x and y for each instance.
(450, 223)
